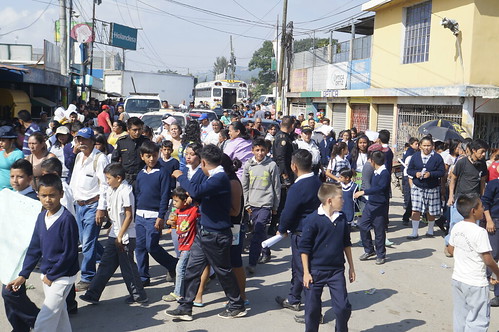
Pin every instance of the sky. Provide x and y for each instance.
(181, 35)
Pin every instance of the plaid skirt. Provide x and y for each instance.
(426, 200)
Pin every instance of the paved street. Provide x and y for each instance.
(412, 294)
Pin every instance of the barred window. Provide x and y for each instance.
(417, 33)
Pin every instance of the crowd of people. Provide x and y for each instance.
(214, 185)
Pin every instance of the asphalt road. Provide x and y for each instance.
(411, 292)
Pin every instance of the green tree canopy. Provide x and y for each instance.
(262, 59)
(220, 65)
(308, 43)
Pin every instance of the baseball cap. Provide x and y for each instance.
(105, 107)
(7, 132)
(306, 129)
(169, 120)
(63, 130)
(85, 133)
(377, 147)
(203, 116)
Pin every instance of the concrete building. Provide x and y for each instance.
(418, 61)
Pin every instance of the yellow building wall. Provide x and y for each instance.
(485, 49)
(444, 66)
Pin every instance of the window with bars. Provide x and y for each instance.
(417, 33)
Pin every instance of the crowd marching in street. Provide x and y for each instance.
(217, 189)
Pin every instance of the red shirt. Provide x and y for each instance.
(102, 121)
(186, 227)
(493, 174)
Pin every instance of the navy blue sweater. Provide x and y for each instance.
(435, 166)
(348, 201)
(152, 190)
(379, 192)
(324, 241)
(490, 198)
(171, 165)
(215, 200)
(300, 202)
(198, 178)
(56, 246)
(389, 160)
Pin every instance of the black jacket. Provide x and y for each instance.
(127, 152)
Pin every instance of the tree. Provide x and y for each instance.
(308, 43)
(262, 59)
(221, 64)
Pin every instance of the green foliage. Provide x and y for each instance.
(308, 43)
(221, 64)
(262, 59)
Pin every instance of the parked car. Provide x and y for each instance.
(195, 113)
(139, 104)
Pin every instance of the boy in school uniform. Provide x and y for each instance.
(375, 211)
(490, 201)
(152, 192)
(21, 312)
(262, 192)
(301, 201)
(184, 221)
(471, 248)
(118, 251)
(324, 243)
(55, 242)
(348, 188)
(214, 237)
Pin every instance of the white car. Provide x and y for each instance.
(141, 103)
(153, 119)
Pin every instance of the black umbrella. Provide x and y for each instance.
(425, 127)
(443, 134)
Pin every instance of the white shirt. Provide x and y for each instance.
(211, 138)
(117, 200)
(191, 171)
(304, 176)
(312, 148)
(379, 170)
(361, 160)
(469, 241)
(67, 199)
(216, 170)
(87, 182)
(333, 217)
(58, 151)
(205, 130)
(50, 220)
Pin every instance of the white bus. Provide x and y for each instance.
(221, 92)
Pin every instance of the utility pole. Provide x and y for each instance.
(92, 46)
(283, 45)
(276, 57)
(63, 54)
(70, 42)
(232, 62)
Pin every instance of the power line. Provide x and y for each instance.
(328, 15)
(30, 25)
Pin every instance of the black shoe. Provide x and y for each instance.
(380, 261)
(131, 300)
(494, 302)
(412, 237)
(405, 222)
(429, 235)
(264, 259)
(170, 276)
(179, 314)
(73, 308)
(285, 304)
(301, 319)
(146, 283)
(88, 299)
(365, 256)
(82, 286)
(232, 313)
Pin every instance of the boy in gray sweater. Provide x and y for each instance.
(262, 192)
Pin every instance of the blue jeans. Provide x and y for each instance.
(148, 243)
(471, 307)
(181, 267)
(89, 234)
(260, 217)
(294, 296)
(455, 217)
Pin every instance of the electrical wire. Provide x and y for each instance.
(31, 24)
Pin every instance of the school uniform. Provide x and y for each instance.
(55, 242)
(348, 200)
(490, 200)
(375, 213)
(301, 201)
(213, 241)
(324, 239)
(152, 192)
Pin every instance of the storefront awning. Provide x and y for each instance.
(40, 101)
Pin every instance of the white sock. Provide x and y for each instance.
(431, 224)
(415, 226)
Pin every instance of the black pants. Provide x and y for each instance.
(21, 312)
(294, 296)
(406, 190)
(214, 249)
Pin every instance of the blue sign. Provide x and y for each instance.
(123, 37)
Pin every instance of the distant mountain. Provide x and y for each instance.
(242, 73)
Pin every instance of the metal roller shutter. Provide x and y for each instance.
(385, 117)
(339, 117)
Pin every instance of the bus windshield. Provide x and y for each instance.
(138, 105)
